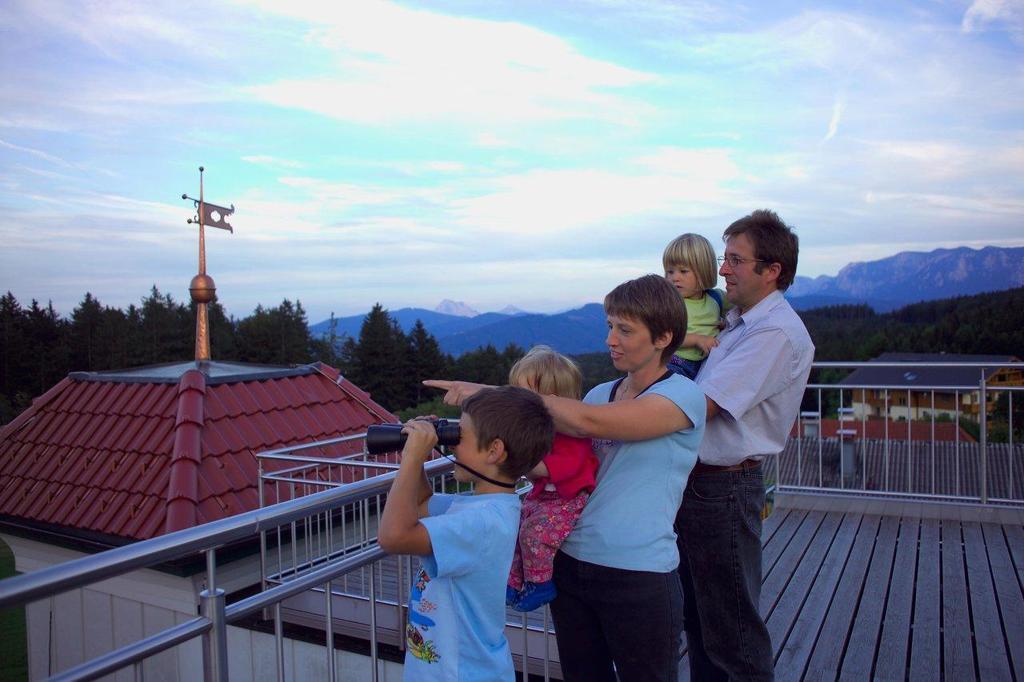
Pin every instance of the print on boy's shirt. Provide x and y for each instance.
(419, 646)
(603, 445)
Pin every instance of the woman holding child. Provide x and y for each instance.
(619, 607)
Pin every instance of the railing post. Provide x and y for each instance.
(547, 646)
(279, 642)
(263, 534)
(526, 648)
(215, 642)
(403, 606)
(983, 436)
(374, 673)
(820, 473)
(329, 630)
(1009, 405)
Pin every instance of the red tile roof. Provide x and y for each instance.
(136, 454)
(897, 430)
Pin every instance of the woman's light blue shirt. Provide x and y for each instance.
(628, 520)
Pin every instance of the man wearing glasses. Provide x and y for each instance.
(754, 382)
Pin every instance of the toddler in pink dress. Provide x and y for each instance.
(562, 483)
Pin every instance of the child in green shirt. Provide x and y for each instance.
(690, 267)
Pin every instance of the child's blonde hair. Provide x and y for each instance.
(548, 372)
(695, 252)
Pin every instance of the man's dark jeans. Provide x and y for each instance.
(604, 615)
(719, 538)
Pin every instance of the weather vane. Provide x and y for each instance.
(202, 288)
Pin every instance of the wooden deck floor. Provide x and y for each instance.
(849, 595)
(855, 596)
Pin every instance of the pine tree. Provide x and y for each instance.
(347, 358)
(278, 336)
(382, 361)
(85, 325)
(168, 329)
(113, 336)
(15, 344)
(47, 334)
(483, 365)
(427, 361)
(295, 339)
(510, 356)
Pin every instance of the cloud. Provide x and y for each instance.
(989, 166)
(56, 160)
(535, 154)
(445, 166)
(835, 42)
(983, 13)
(716, 165)
(385, 63)
(33, 123)
(428, 168)
(116, 28)
(951, 205)
(671, 182)
(833, 124)
(491, 141)
(267, 160)
(343, 195)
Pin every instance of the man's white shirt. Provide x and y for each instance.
(757, 375)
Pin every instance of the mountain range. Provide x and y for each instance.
(885, 285)
(457, 308)
(912, 276)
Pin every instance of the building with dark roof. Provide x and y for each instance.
(930, 387)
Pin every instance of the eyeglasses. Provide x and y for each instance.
(736, 261)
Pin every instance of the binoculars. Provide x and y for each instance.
(382, 438)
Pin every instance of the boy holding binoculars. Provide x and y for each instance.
(456, 627)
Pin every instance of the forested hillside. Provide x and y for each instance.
(39, 347)
(991, 324)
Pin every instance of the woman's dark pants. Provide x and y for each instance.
(605, 616)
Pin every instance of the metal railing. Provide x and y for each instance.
(317, 538)
(318, 533)
(374, 598)
(215, 613)
(835, 446)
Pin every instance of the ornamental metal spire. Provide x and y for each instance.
(202, 288)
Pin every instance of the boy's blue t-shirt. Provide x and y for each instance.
(456, 627)
(628, 520)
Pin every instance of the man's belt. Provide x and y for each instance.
(701, 468)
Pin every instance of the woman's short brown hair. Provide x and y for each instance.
(654, 302)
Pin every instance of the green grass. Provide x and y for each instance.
(13, 658)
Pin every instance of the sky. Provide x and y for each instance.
(517, 152)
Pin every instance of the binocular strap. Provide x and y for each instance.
(502, 484)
